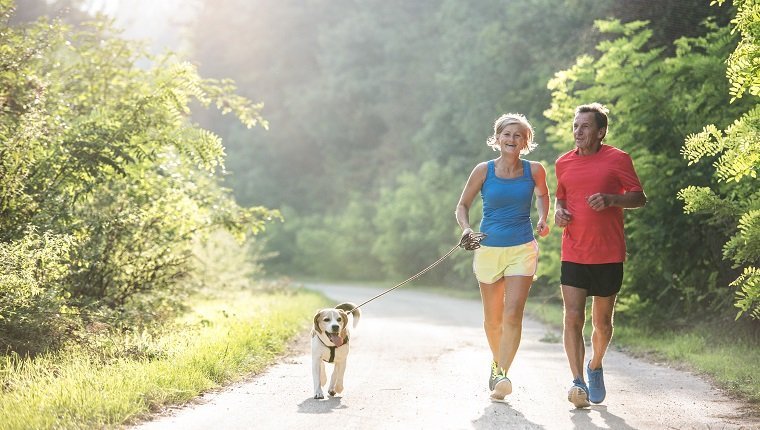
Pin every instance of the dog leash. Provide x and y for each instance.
(468, 242)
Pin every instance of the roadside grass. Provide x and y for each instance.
(100, 386)
(726, 356)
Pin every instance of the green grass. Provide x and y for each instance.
(727, 357)
(223, 340)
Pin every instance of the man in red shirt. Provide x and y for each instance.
(595, 182)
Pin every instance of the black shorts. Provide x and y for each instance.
(598, 279)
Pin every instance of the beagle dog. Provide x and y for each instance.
(329, 343)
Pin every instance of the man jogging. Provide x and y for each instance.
(595, 182)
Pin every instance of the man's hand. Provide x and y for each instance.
(599, 201)
(562, 217)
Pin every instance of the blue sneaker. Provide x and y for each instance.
(578, 394)
(596, 391)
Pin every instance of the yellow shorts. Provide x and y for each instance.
(491, 263)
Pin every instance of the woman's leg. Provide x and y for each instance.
(492, 296)
(517, 289)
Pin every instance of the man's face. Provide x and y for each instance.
(587, 134)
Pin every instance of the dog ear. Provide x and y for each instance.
(350, 307)
(317, 317)
(343, 322)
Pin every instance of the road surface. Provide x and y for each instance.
(420, 361)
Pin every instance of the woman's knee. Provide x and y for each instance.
(513, 316)
(492, 324)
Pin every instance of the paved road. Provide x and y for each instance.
(420, 361)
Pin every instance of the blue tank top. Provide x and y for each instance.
(506, 208)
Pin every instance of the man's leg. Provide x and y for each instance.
(602, 311)
(601, 317)
(574, 300)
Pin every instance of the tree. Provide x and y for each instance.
(103, 174)
(735, 205)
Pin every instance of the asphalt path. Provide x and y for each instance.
(421, 361)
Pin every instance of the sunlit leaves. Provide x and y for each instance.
(699, 199)
(738, 163)
(701, 145)
(748, 294)
(744, 63)
(741, 157)
(744, 247)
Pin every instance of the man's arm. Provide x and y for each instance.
(628, 200)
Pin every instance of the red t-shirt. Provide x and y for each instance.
(594, 237)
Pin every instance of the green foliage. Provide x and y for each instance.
(655, 99)
(739, 148)
(34, 314)
(744, 63)
(414, 221)
(101, 153)
(748, 295)
(736, 204)
(223, 262)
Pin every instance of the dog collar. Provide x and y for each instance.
(332, 348)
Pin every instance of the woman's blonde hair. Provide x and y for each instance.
(507, 119)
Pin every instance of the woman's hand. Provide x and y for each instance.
(470, 240)
(542, 228)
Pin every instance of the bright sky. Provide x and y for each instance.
(157, 21)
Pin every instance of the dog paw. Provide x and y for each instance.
(331, 393)
(319, 396)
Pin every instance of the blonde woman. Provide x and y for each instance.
(506, 262)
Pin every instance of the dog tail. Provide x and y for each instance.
(350, 307)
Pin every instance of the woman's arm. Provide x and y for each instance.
(471, 189)
(542, 197)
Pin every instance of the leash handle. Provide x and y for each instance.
(469, 242)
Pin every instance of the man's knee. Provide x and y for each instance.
(603, 325)
(574, 318)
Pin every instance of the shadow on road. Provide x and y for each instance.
(582, 419)
(326, 406)
(502, 415)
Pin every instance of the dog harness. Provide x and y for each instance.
(332, 349)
